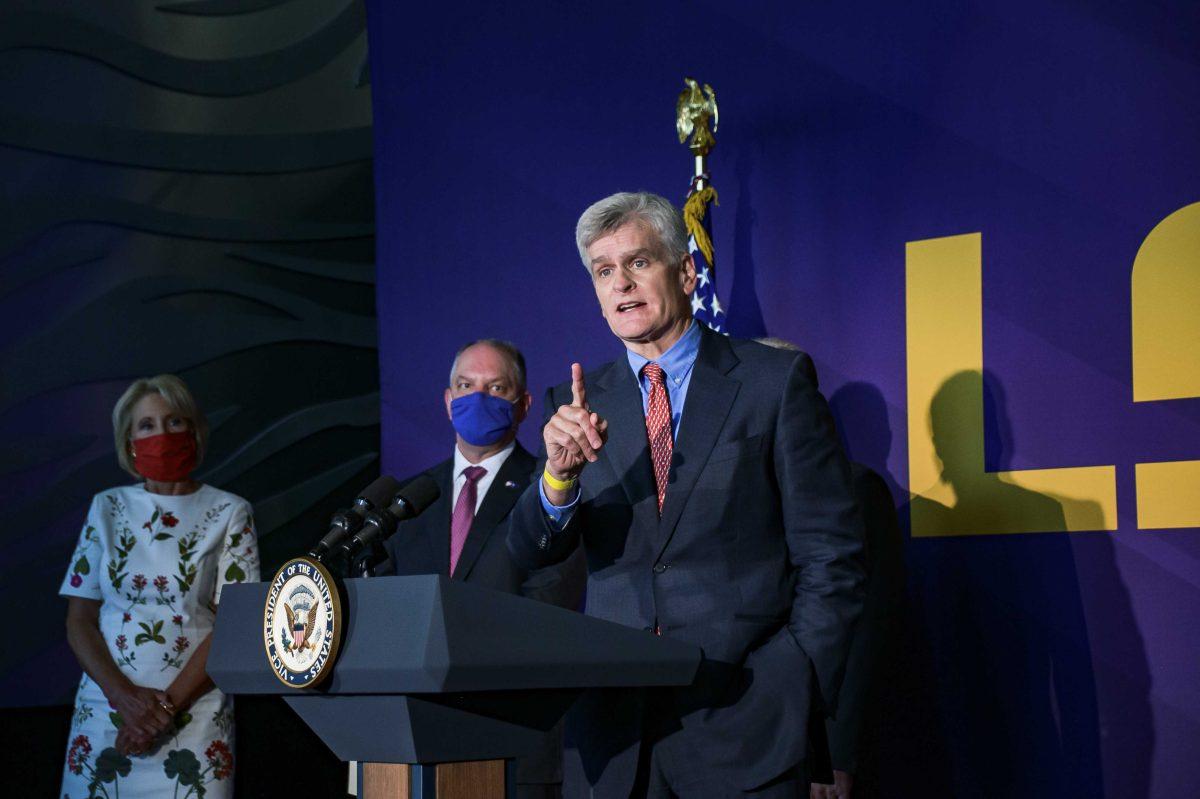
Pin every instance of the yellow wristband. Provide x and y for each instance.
(556, 484)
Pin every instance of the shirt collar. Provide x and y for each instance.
(492, 463)
(677, 361)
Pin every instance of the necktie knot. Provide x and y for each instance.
(654, 373)
(473, 473)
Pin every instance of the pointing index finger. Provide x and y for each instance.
(578, 390)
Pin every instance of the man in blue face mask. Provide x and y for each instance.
(463, 533)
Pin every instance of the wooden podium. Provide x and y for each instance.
(438, 682)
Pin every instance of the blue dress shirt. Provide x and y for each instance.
(676, 363)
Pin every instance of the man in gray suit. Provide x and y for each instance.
(704, 479)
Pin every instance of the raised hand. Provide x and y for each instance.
(573, 436)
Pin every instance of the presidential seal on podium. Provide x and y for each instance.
(302, 623)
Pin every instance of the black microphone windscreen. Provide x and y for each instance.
(348, 521)
(380, 492)
(419, 494)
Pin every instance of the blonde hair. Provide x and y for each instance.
(177, 396)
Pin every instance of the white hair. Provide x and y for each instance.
(618, 209)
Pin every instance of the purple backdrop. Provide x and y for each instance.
(1064, 131)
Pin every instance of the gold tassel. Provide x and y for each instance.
(694, 209)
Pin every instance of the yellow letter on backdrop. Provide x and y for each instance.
(952, 492)
(1165, 296)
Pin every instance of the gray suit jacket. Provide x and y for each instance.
(757, 559)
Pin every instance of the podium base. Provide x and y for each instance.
(479, 779)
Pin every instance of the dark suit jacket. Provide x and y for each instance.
(756, 559)
(422, 546)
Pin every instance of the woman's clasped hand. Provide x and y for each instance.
(146, 715)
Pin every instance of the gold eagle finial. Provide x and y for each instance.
(694, 110)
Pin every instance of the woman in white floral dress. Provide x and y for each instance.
(143, 586)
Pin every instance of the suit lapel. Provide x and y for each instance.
(502, 494)
(619, 400)
(710, 395)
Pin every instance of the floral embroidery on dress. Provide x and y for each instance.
(150, 632)
(241, 560)
(124, 544)
(116, 565)
(158, 520)
(223, 719)
(187, 567)
(187, 548)
(82, 714)
(183, 767)
(110, 766)
(220, 759)
(80, 566)
(78, 754)
(161, 584)
(138, 584)
(125, 655)
(176, 659)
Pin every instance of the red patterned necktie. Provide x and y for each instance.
(464, 514)
(658, 429)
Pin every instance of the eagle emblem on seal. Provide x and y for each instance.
(301, 609)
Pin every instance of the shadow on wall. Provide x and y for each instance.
(992, 690)
(744, 316)
(865, 430)
(1004, 620)
(901, 747)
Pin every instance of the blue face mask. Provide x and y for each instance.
(481, 418)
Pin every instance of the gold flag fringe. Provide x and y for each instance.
(694, 209)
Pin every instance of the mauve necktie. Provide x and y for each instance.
(658, 429)
(464, 514)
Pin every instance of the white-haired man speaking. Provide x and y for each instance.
(704, 479)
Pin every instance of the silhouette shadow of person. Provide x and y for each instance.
(1004, 614)
(886, 734)
(865, 430)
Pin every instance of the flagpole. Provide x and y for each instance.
(695, 122)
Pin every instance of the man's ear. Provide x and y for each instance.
(521, 407)
(449, 415)
(687, 274)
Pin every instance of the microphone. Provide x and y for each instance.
(348, 521)
(410, 501)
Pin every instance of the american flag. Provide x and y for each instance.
(705, 305)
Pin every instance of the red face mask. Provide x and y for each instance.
(165, 458)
